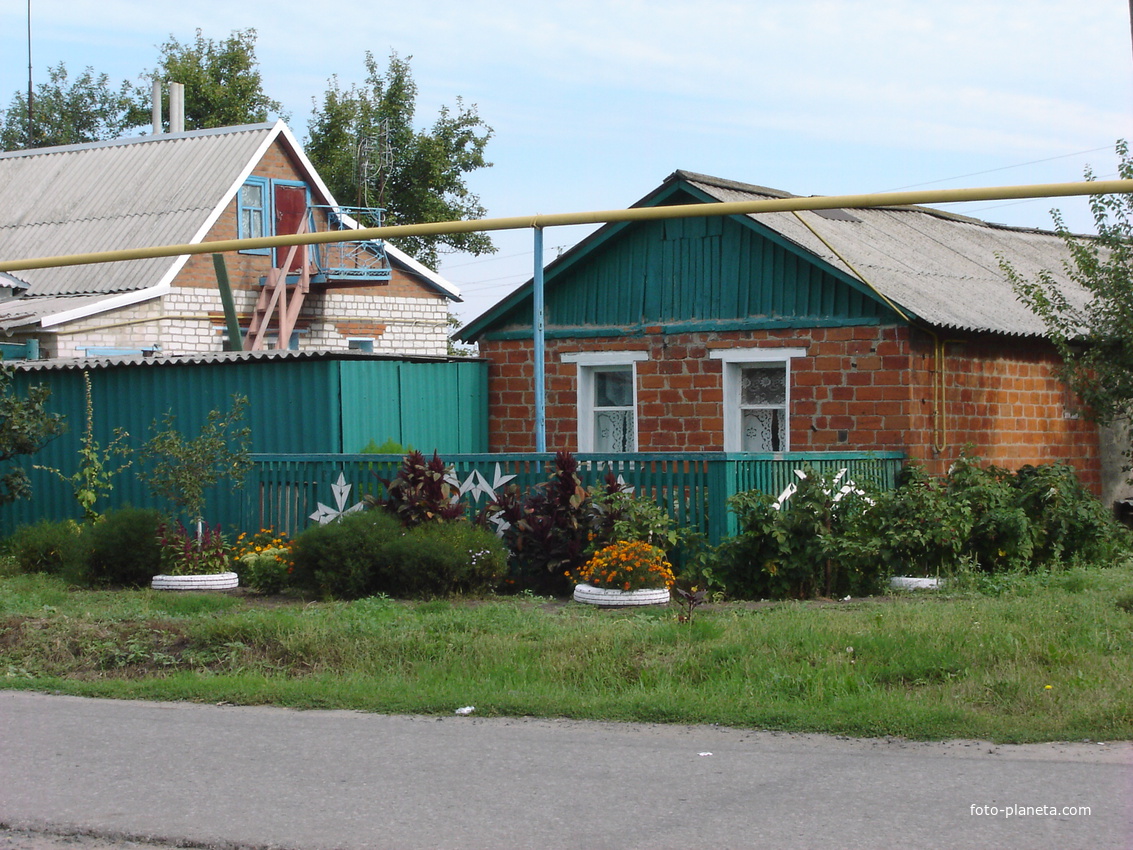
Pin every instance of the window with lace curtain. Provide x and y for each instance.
(607, 399)
(757, 394)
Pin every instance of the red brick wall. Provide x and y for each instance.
(864, 388)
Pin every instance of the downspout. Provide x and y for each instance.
(939, 408)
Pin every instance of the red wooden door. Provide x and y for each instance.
(290, 210)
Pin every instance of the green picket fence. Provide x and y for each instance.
(289, 492)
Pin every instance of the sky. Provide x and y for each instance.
(594, 104)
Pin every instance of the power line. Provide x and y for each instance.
(1002, 168)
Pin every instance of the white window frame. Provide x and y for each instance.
(734, 359)
(364, 344)
(588, 363)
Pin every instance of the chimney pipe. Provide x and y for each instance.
(155, 108)
(176, 108)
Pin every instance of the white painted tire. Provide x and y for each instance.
(910, 583)
(216, 581)
(611, 598)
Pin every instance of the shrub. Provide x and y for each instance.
(1068, 523)
(915, 529)
(184, 553)
(1000, 537)
(628, 565)
(548, 531)
(421, 492)
(437, 560)
(48, 546)
(344, 559)
(263, 561)
(615, 514)
(807, 546)
(124, 549)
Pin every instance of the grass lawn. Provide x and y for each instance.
(1007, 658)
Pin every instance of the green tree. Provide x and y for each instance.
(25, 427)
(182, 469)
(1094, 336)
(94, 477)
(364, 144)
(223, 84)
(66, 112)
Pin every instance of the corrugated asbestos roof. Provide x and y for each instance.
(82, 363)
(943, 268)
(132, 192)
(106, 196)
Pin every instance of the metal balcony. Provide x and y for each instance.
(360, 262)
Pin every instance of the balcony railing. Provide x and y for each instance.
(363, 261)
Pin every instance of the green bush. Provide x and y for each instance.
(616, 514)
(915, 529)
(437, 560)
(123, 547)
(976, 517)
(808, 546)
(1001, 536)
(48, 546)
(1069, 524)
(344, 559)
(367, 553)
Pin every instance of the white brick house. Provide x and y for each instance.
(186, 188)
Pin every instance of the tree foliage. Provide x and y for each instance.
(1095, 341)
(93, 477)
(365, 146)
(223, 84)
(25, 427)
(68, 112)
(182, 469)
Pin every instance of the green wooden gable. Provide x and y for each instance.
(711, 273)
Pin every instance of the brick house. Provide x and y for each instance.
(184, 188)
(888, 329)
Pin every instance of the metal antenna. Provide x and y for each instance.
(31, 133)
(385, 156)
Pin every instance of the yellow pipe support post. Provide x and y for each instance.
(884, 199)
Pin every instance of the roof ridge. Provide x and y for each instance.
(722, 183)
(122, 141)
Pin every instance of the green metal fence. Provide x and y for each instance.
(285, 492)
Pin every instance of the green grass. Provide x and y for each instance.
(1006, 658)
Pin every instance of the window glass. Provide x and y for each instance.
(252, 210)
(763, 411)
(613, 389)
(614, 429)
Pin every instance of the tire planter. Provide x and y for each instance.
(610, 598)
(216, 581)
(910, 583)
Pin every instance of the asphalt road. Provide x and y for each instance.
(122, 772)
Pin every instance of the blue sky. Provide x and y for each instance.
(594, 103)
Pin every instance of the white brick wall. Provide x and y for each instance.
(180, 323)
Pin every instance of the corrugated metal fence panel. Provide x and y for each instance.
(439, 406)
(693, 488)
(371, 404)
(292, 408)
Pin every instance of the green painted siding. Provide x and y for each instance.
(696, 270)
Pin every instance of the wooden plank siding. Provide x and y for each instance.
(694, 271)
